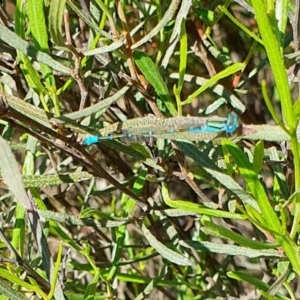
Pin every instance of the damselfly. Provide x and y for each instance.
(189, 128)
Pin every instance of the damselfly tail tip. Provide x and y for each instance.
(89, 140)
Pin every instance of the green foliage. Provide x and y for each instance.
(209, 218)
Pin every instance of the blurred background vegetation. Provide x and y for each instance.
(151, 219)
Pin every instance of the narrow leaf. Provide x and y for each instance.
(231, 249)
(11, 174)
(152, 75)
(165, 252)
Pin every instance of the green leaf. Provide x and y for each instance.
(225, 73)
(258, 156)
(178, 31)
(270, 218)
(262, 132)
(230, 249)
(105, 49)
(12, 294)
(167, 17)
(56, 13)
(239, 24)
(254, 281)
(209, 166)
(254, 184)
(197, 208)
(222, 93)
(92, 287)
(31, 75)
(16, 42)
(222, 232)
(149, 70)
(208, 16)
(35, 9)
(20, 282)
(102, 105)
(128, 204)
(164, 251)
(281, 15)
(296, 108)
(183, 62)
(275, 57)
(11, 174)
